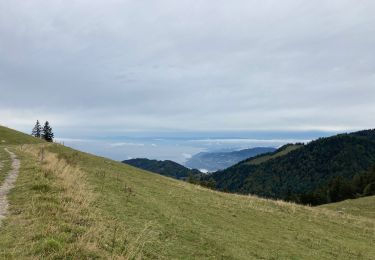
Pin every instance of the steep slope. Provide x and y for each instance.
(167, 168)
(10, 136)
(213, 161)
(303, 170)
(74, 205)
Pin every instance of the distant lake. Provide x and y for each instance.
(181, 146)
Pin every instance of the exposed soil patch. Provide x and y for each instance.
(8, 184)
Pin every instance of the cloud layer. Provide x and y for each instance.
(188, 65)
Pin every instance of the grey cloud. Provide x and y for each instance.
(188, 65)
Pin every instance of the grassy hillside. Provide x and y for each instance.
(364, 207)
(304, 174)
(74, 205)
(269, 156)
(10, 136)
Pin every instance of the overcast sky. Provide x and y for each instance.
(118, 66)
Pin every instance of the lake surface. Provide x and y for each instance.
(181, 146)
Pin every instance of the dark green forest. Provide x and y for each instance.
(167, 168)
(326, 170)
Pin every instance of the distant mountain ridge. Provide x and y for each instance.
(167, 168)
(213, 161)
(305, 174)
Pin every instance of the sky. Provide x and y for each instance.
(119, 68)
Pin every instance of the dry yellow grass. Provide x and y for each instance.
(97, 236)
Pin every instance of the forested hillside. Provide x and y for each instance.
(315, 173)
(167, 168)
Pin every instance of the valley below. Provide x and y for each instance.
(70, 204)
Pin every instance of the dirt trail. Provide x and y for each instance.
(8, 184)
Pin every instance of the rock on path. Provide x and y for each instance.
(8, 184)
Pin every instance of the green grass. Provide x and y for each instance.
(137, 213)
(74, 205)
(262, 159)
(9, 136)
(5, 164)
(364, 207)
(48, 215)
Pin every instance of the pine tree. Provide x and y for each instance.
(37, 130)
(47, 132)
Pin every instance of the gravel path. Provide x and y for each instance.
(8, 184)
